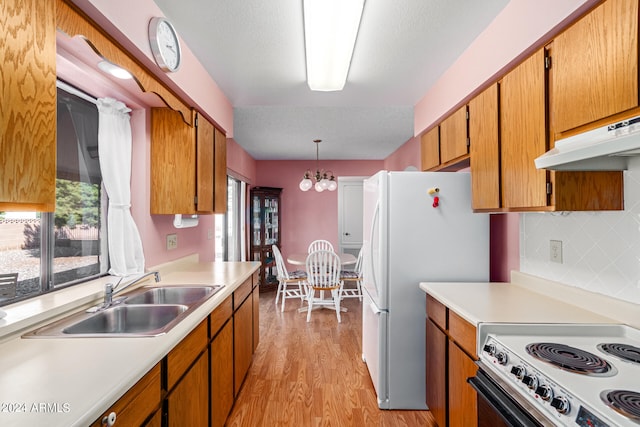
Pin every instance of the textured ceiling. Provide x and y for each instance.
(254, 50)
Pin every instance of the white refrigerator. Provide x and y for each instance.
(418, 227)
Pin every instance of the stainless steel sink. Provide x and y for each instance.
(129, 319)
(171, 295)
(145, 312)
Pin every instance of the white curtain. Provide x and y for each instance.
(114, 149)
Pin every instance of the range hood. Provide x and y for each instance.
(605, 149)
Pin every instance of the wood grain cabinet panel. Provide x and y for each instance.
(256, 316)
(436, 373)
(463, 407)
(205, 143)
(222, 392)
(437, 312)
(453, 136)
(242, 341)
(28, 109)
(430, 149)
(220, 172)
(173, 163)
(138, 403)
(183, 354)
(595, 66)
(523, 129)
(484, 141)
(188, 403)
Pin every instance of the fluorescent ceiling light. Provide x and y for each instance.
(331, 28)
(114, 70)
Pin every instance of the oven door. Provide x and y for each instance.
(496, 408)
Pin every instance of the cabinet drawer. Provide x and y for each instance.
(139, 402)
(256, 278)
(183, 355)
(437, 312)
(241, 293)
(219, 316)
(463, 333)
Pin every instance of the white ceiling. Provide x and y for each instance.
(254, 50)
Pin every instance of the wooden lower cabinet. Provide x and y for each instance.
(222, 392)
(188, 403)
(242, 341)
(256, 312)
(137, 405)
(436, 373)
(450, 351)
(463, 411)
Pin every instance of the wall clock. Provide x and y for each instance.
(165, 45)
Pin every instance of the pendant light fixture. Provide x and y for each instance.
(324, 180)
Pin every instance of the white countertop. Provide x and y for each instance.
(531, 299)
(77, 379)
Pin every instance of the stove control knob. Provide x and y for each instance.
(545, 392)
(502, 358)
(530, 381)
(518, 371)
(489, 348)
(561, 404)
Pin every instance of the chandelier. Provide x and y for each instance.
(324, 180)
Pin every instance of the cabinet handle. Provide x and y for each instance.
(109, 420)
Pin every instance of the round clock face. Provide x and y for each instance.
(164, 44)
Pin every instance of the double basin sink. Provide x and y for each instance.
(146, 312)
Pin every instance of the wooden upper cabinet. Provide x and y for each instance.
(523, 129)
(595, 66)
(28, 112)
(485, 149)
(173, 162)
(220, 173)
(205, 138)
(453, 136)
(430, 149)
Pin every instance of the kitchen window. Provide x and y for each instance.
(56, 249)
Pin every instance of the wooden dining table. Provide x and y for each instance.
(301, 259)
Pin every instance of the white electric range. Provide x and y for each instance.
(560, 374)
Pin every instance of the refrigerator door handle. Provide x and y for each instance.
(374, 308)
(372, 234)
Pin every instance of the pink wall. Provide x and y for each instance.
(408, 155)
(306, 216)
(515, 33)
(239, 162)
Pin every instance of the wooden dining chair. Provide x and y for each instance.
(8, 283)
(323, 274)
(320, 245)
(287, 278)
(352, 280)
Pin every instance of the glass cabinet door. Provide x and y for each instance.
(264, 223)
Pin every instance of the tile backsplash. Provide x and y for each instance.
(600, 250)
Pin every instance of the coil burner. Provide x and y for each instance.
(625, 402)
(624, 352)
(571, 359)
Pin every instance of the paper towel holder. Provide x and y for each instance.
(186, 222)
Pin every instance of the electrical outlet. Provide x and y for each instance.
(556, 251)
(172, 241)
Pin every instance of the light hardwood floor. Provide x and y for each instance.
(312, 374)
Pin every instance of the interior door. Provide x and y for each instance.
(350, 211)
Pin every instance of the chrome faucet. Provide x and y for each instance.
(110, 288)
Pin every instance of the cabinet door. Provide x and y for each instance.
(138, 403)
(28, 113)
(453, 136)
(256, 316)
(436, 368)
(221, 353)
(188, 403)
(173, 162)
(463, 407)
(430, 149)
(485, 149)
(595, 66)
(523, 131)
(205, 163)
(242, 341)
(220, 173)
